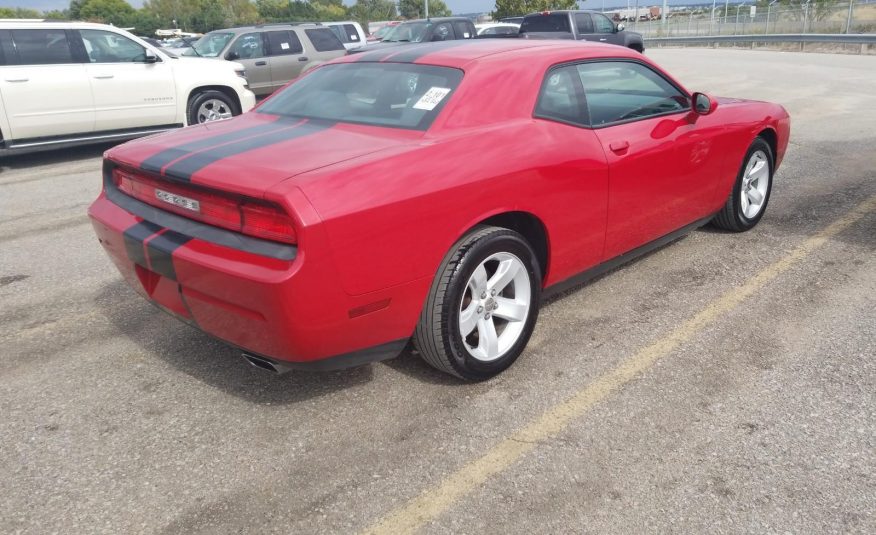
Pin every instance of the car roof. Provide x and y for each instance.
(57, 24)
(440, 19)
(560, 11)
(462, 52)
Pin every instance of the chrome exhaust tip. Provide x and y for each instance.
(265, 364)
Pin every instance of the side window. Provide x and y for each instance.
(324, 40)
(602, 23)
(462, 30)
(284, 43)
(247, 46)
(443, 32)
(352, 34)
(561, 97)
(583, 23)
(42, 47)
(109, 47)
(621, 91)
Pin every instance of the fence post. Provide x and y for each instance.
(849, 18)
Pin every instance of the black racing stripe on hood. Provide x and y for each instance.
(134, 237)
(185, 168)
(379, 55)
(415, 52)
(156, 162)
(160, 250)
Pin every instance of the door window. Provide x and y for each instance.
(617, 91)
(583, 23)
(109, 47)
(324, 40)
(351, 33)
(247, 46)
(42, 47)
(561, 97)
(602, 23)
(462, 30)
(284, 43)
(443, 32)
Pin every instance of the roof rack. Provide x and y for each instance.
(293, 23)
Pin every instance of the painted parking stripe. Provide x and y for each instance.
(471, 476)
(184, 169)
(157, 161)
(134, 237)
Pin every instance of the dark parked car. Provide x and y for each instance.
(426, 30)
(580, 25)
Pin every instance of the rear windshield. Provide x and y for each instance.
(555, 22)
(324, 40)
(399, 95)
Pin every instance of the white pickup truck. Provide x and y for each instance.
(64, 83)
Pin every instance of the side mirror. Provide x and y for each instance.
(703, 104)
(231, 56)
(150, 57)
(620, 27)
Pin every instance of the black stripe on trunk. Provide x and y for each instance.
(161, 250)
(134, 238)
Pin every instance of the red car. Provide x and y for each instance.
(432, 192)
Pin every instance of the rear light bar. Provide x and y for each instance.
(248, 216)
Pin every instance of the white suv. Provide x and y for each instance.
(68, 83)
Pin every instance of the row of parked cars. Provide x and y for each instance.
(67, 83)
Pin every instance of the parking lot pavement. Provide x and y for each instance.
(751, 413)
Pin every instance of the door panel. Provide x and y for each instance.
(128, 92)
(603, 30)
(40, 70)
(249, 50)
(288, 56)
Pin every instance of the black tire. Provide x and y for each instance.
(438, 337)
(731, 216)
(201, 97)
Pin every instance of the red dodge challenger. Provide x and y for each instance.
(432, 192)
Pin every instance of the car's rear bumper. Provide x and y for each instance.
(289, 310)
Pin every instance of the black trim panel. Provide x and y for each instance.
(201, 231)
(377, 353)
(134, 238)
(581, 278)
(160, 250)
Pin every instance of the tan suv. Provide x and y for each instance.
(273, 54)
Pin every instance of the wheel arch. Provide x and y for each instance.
(769, 135)
(530, 227)
(224, 89)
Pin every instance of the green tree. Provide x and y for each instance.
(366, 11)
(116, 12)
(75, 8)
(19, 13)
(516, 8)
(56, 14)
(416, 9)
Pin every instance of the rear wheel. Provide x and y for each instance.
(751, 192)
(482, 306)
(211, 105)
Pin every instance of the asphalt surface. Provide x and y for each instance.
(115, 418)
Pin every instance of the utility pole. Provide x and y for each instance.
(427, 9)
(849, 18)
(664, 15)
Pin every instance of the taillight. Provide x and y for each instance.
(248, 216)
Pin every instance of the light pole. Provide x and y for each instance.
(736, 26)
(769, 7)
(427, 9)
(712, 18)
(726, 10)
(849, 18)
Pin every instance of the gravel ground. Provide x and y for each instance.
(119, 419)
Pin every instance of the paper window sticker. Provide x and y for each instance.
(431, 98)
(284, 46)
(466, 35)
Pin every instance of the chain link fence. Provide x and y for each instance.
(730, 19)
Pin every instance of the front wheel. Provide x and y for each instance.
(211, 105)
(751, 191)
(482, 306)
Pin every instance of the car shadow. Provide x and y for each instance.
(210, 360)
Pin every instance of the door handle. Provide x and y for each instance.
(619, 147)
(103, 76)
(261, 63)
(17, 79)
(303, 58)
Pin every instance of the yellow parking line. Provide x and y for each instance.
(435, 501)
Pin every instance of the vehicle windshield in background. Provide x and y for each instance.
(555, 22)
(408, 32)
(399, 95)
(209, 46)
(385, 32)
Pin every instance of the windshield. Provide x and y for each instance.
(408, 32)
(209, 46)
(399, 95)
(385, 31)
(555, 22)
